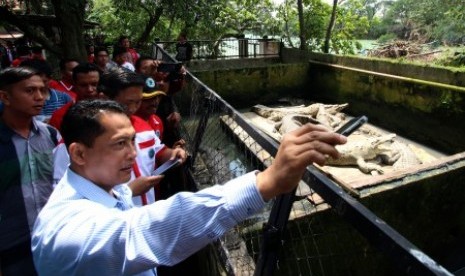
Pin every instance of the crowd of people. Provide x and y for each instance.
(77, 153)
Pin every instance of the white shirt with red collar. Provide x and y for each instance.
(148, 147)
(157, 124)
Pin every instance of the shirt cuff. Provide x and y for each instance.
(243, 196)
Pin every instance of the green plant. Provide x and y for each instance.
(387, 38)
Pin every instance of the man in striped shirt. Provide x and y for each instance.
(88, 227)
(27, 151)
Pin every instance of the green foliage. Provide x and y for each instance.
(452, 57)
(427, 20)
(387, 38)
(200, 19)
(117, 20)
(351, 24)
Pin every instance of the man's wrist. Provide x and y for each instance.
(265, 185)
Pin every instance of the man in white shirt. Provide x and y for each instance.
(88, 227)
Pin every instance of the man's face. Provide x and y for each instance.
(125, 43)
(147, 67)
(67, 74)
(121, 59)
(101, 59)
(86, 85)
(130, 98)
(149, 106)
(109, 161)
(26, 97)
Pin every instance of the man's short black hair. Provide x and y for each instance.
(81, 122)
(12, 75)
(101, 49)
(66, 60)
(139, 61)
(84, 68)
(119, 50)
(117, 79)
(41, 66)
(121, 38)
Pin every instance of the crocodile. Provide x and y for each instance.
(367, 154)
(292, 122)
(277, 114)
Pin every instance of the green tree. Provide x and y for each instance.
(347, 24)
(330, 27)
(68, 25)
(214, 19)
(426, 20)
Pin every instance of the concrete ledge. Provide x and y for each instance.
(451, 76)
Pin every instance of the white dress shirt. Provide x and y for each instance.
(83, 230)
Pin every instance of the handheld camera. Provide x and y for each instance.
(166, 166)
(352, 125)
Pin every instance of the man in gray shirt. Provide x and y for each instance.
(26, 165)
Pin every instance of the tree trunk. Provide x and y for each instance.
(153, 20)
(303, 40)
(332, 21)
(70, 19)
(30, 31)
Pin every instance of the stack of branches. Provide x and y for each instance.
(396, 49)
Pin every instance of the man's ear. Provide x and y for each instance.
(4, 97)
(77, 153)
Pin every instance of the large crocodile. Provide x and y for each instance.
(367, 154)
(276, 114)
(292, 122)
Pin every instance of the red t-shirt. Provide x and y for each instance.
(57, 116)
(63, 86)
(134, 55)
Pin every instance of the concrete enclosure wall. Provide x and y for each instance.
(255, 83)
(426, 111)
(424, 103)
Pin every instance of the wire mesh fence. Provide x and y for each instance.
(317, 238)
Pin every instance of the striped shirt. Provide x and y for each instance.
(27, 176)
(84, 230)
(56, 100)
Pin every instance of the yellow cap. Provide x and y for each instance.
(148, 95)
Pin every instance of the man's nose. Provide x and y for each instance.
(41, 94)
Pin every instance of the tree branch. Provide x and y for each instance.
(8, 17)
(153, 20)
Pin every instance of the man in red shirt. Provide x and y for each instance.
(24, 53)
(125, 87)
(66, 83)
(151, 97)
(150, 100)
(86, 77)
(131, 52)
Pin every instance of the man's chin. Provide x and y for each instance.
(35, 113)
(126, 178)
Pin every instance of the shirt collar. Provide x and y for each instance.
(35, 127)
(6, 132)
(89, 190)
